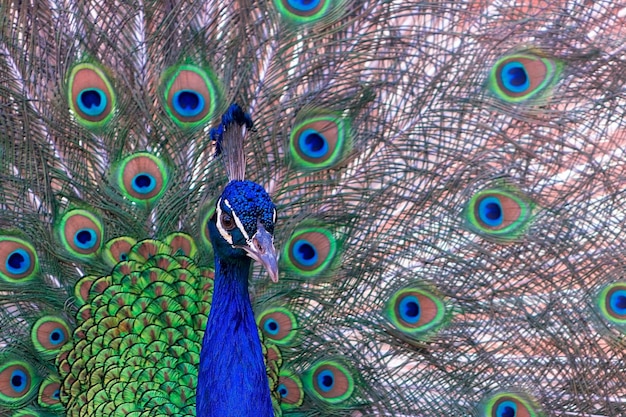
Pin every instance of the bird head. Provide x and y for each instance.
(243, 225)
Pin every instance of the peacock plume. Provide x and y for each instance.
(434, 190)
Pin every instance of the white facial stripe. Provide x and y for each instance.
(237, 222)
(274, 216)
(227, 237)
(240, 227)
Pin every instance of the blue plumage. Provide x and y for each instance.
(232, 378)
(251, 199)
(234, 116)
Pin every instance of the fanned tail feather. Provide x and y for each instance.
(448, 181)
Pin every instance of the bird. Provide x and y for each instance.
(413, 209)
(240, 230)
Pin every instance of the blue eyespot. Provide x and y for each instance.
(19, 380)
(18, 262)
(143, 183)
(410, 310)
(506, 409)
(57, 337)
(283, 391)
(305, 253)
(490, 211)
(92, 101)
(618, 302)
(514, 77)
(188, 103)
(271, 326)
(326, 380)
(303, 5)
(313, 143)
(85, 239)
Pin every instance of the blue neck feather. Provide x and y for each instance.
(232, 379)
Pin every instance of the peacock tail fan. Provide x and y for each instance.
(448, 182)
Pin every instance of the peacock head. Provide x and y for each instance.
(243, 225)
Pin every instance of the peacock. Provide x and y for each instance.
(312, 208)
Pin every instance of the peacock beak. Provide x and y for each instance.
(261, 249)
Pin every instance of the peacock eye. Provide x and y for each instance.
(227, 222)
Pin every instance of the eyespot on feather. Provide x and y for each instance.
(50, 394)
(49, 334)
(319, 142)
(142, 177)
(278, 324)
(90, 94)
(510, 404)
(117, 250)
(329, 381)
(182, 244)
(416, 312)
(519, 77)
(17, 382)
(82, 289)
(80, 233)
(191, 95)
(611, 302)
(310, 251)
(290, 390)
(302, 12)
(498, 214)
(18, 261)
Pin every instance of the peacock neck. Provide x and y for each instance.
(232, 378)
